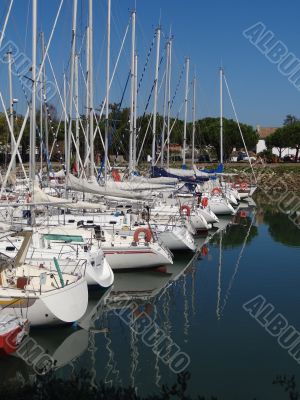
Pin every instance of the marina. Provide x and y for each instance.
(197, 301)
(126, 263)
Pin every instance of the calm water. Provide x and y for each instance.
(198, 303)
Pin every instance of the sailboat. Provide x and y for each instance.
(43, 297)
(73, 253)
(12, 331)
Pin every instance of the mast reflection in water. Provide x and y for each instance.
(197, 302)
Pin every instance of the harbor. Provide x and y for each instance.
(148, 248)
(197, 302)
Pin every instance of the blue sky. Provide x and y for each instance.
(209, 32)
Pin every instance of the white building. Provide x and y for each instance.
(261, 144)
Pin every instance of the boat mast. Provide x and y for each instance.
(76, 95)
(169, 103)
(86, 140)
(41, 128)
(91, 89)
(135, 110)
(33, 98)
(11, 107)
(44, 94)
(107, 91)
(221, 115)
(72, 68)
(194, 120)
(165, 103)
(187, 68)
(155, 96)
(41, 114)
(133, 16)
(65, 122)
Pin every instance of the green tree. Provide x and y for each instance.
(293, 134)
(210, 135)
(278, 139)
(290, 120)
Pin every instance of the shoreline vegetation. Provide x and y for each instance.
(79, 387)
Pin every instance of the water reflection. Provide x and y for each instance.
(235, 231)
(281, 228)
(196, 302)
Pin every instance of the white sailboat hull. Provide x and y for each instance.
(199, 222)
(64, 305)
(177, 239)
(102, 275)
(220, 206)
(208, 215)
(121, 258)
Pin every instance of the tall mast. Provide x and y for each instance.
(33, 99)
(107, 91)
(165, 103)
(71, 86)
(155, 95)
(11, 106)
(41, 114)
(194, 120)
(135, 109)
(91, 89)
(221, 115)
(44, 94)
(86, 141)
(66, 121)
(169, 104)
(133, 16)
(187, 68)
(41, 127)
(76, 98)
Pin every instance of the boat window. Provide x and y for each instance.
(10, 248)
(64, 238)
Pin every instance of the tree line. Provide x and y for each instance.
(287, 136)
(207, 133)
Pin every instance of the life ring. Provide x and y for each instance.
(186, 208)
(243, 214)
(147, 234)
(216, 190)
(244, 185)
(204, 202)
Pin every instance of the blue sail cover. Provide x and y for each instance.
(158, 172)
(218, 170)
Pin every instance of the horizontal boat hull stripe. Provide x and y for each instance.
(128, 252)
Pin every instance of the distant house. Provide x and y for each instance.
(263, 133)
(175, 148)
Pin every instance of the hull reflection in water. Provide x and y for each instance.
(146, 285)
(62, 346)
